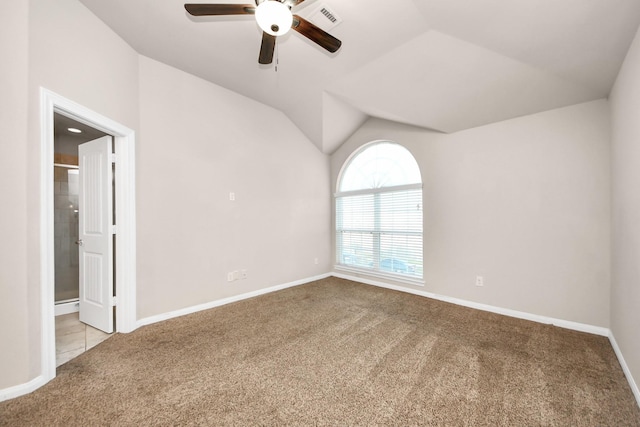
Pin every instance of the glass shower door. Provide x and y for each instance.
(66, 233)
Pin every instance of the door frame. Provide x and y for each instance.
(125, 218)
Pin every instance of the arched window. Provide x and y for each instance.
(379, 212)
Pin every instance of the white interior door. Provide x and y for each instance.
(96, 233)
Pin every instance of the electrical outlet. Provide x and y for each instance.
(243, 274)
(315, 261)
(479, 281)
(232, 196)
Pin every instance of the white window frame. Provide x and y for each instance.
(377, 232)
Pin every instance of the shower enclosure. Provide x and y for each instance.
(66, 232)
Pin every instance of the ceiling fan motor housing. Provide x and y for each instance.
(273, 17)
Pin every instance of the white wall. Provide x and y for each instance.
(524, 203)
(63, 47)
(199, 142)
(196, 142)
(74, 54)
(14, 320)
(202, 142)
(625, 285)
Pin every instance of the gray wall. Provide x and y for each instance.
(189, 236)
(100, 74)
(199, 142)
(14, 313)
(625, 287)
(524, 203)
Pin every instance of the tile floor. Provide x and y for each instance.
(74, 337)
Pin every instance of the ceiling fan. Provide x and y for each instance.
(274, 18)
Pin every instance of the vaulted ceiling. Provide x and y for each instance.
(445, 65)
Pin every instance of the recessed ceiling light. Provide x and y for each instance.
(74, 130)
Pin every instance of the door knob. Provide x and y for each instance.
(79, 242)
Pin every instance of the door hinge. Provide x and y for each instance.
(113, 157)
(113, 301)
(113, 229)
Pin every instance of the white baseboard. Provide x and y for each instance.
(576, 326)
(596, 330)
(224, 301)
(28, 387)
(67, 308)
(22, 389)
(625, 368)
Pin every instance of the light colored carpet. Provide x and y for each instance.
(334, 352)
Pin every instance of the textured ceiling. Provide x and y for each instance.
(445, 65)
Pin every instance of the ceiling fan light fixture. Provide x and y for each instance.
(273, 17)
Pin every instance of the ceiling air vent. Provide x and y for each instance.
(324, 17)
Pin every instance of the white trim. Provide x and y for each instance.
(224, 301)
(625, 368)
(67, 308)
(393, 189)
(47, 243)
(126, 249)
(125, 280)
(581, 327)
(370, 272)
(22, 389)
(596, 330)
(62, 165)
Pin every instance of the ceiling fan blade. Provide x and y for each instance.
(315, 34)
(198, 9)
(267, 48)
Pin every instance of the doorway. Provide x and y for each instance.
(74, 335)
(69, 134)
(125, 247)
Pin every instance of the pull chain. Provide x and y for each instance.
(277, 57)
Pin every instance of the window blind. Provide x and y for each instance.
(380, 230)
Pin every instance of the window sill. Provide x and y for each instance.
(401, 278)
